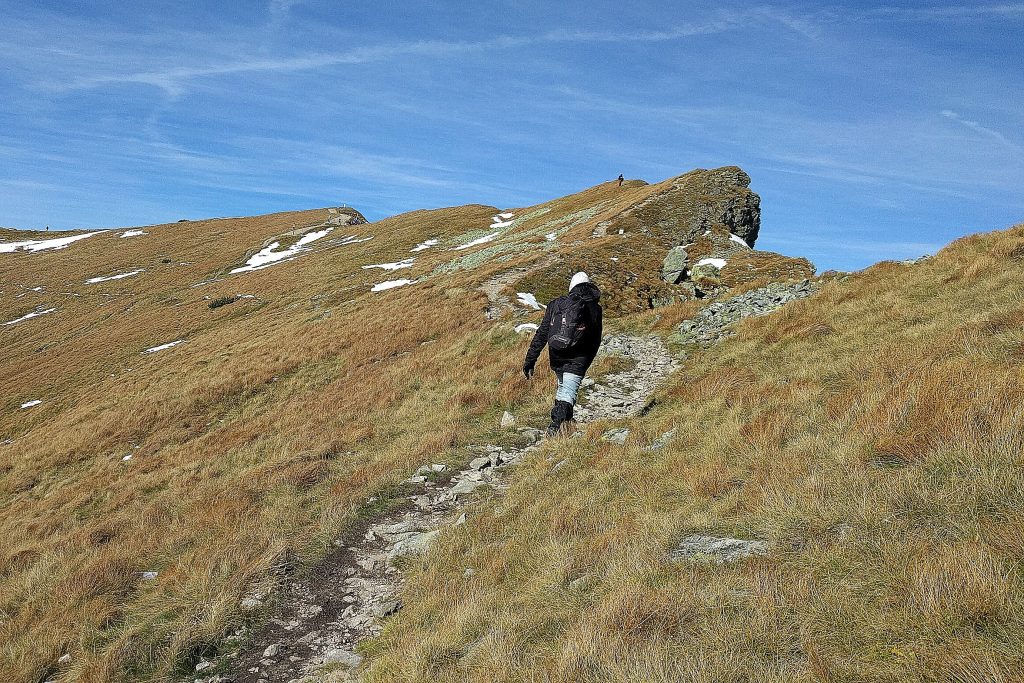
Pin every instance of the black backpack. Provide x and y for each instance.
(570, 325)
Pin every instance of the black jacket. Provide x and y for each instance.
(582, 355)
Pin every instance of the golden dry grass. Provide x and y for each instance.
(255, 442)
(870, 434)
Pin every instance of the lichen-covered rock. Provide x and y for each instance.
(674, 266)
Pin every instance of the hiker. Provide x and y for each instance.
(620, 180)
(572, 332)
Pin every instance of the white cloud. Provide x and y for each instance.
(977, 127)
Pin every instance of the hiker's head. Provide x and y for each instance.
(578, 279)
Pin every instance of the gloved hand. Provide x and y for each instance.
(528, 370)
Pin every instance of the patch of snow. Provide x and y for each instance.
(502, 220)
(30, 404)
(407, 263)
(716, 262)
(94, 280)
(550, 237)
(354, 239)
(621, 231)
(528, 299)
(126, 458)
(615, 258)
(425, 245)
(36, 289)
(133, 233)
(526, 327)
(164, 346)
(390, 284)
(149, 576)
(42, 245)
(479, 240)
(269, 256)
(28, 316)
(740, 240)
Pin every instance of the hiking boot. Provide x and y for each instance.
(561, 413)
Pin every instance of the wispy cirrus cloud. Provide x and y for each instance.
(1003, 10)
(175, 81)
(977, 127)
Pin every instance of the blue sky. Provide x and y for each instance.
(871, 131)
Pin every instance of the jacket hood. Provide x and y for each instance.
(587, 291)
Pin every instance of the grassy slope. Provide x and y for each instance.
(255, 442)
(871, 434)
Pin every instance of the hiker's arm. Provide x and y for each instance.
(540, 338)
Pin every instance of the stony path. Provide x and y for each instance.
(321, 618)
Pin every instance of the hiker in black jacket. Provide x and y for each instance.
(572, 332)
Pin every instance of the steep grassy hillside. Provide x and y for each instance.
(193, 409)
(870, 435)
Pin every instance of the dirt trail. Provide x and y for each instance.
(323, 616)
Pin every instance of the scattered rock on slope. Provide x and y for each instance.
(712, 323)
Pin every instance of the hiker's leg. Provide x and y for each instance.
(565, 399)
(558, 410)
(568, 387)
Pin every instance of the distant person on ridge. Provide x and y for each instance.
(620, 180)
(572, 332)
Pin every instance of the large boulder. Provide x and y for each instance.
(674, 267)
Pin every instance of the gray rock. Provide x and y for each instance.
(415, 544)
(465, 486)
(720, 549)
(662, 440)
(343, 657)
(617, 435)
(508, 419)
(674, 266)
(480, 463)
(387, 608)
(272, 650)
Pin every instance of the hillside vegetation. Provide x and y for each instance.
(871, 435)
(175, 435)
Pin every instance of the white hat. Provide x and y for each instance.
(578, 279)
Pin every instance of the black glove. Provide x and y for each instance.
(528, 370)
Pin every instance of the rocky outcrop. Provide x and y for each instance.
(714, 322)
(687, 206)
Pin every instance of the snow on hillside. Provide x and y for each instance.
(42, 245)
(133, 233)
(528, 299)
(161, 347)
(407, 263)
(119, 276)
(268, 256)
(390, 284)
(427, 244)
(502, 220)
(29, 316)
(716, 262)
(479, 240)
